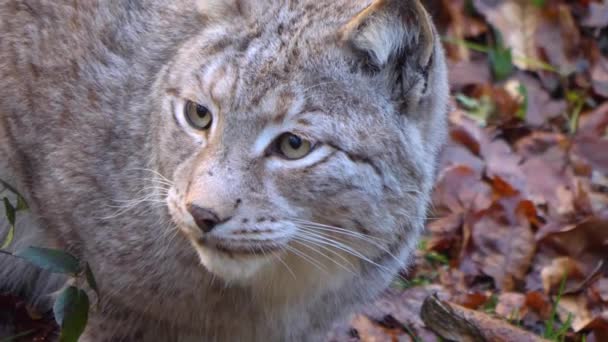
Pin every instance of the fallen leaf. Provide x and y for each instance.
(588, 237)
(575, 305)
(502, 251)
(602, 288)
(517, 21)
(459, 188)
(541, 107)
(540, 303)
(599, 76)
(553, 274)
(597, 15)
(467, 72)
(370, 331)
(511, 305)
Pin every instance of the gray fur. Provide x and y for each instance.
(91, 136)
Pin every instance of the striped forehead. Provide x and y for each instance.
(218, 80)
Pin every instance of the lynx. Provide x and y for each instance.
(232, 170)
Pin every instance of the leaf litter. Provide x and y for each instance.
(520, 209)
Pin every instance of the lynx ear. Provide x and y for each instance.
(392, 29)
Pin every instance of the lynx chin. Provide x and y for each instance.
(232, 170)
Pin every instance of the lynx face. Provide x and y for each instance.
(303, 142)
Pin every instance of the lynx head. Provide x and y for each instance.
(301, 137)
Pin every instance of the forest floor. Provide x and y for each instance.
(517, 245)
(517, 248)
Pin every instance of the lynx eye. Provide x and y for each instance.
(197, 115)
(292, 146)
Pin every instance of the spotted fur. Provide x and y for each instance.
(92, 131)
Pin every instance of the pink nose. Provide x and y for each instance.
(205, 219)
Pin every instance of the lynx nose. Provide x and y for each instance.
(205, 219)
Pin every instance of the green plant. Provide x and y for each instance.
(576, 99)
(501, 57)
(522, 111)
(479, 110)
(11, 211)
(559, 334)
(410, 332)
(538, 3)
(71, 308)
(490, 305)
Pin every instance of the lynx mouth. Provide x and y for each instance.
(248, 248)
(234, 261)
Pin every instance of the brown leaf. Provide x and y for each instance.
(599, 76)
(463, 137)
(540, 303)
(593, 150)
(511, 305)
(502, 161)
(541, 107)
(471, 300)
(461, 26)
(456, 154)
(467, 72)
(602, 288)
(595, 122)
(502, 251)
(558, 38)
(458, 188)
(588, 237)
(369, 331)
(575, 305)
(445, 232)
(559, 268)
(597, 15)
(517, 21)
(550, 183)
(405, 308)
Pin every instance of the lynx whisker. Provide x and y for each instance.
(307, 258)
(343, 240)
(155, 173)
(337, 230)
(278, 257)
(347, 249)
(306, 241)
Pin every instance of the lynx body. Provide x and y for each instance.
(233, 170)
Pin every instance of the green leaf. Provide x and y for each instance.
(51, 259)
(10, 216)
(62, 303)
(91, 279)
(550, 332)
(467, 102)
(10, 235)
(577, 102)
(9, 211)
(522, 111)
(501, 61)
(434, 257)
(21, 204)
(490, 305)
(71, 311)
(538, 3)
